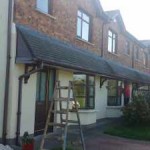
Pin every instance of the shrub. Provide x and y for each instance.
(137, 112)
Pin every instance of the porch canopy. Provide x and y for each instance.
(34, 47)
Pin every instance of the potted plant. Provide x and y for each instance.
(27, 142)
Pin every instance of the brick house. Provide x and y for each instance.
(69, 41)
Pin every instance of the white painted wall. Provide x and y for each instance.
(3, 50)
(100, 98)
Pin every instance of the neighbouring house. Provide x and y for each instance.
(67, 41)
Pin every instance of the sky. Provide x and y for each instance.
(135, 14)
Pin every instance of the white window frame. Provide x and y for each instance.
(83, 20)
(112, 42)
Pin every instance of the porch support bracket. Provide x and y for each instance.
(102, 81)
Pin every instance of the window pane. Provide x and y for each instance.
(43, 85)
(79, 13)
(112, 88)
(86, 17)
(42, 5)
(114, 99)
(79, 79)
(51, 83)
(79, 90)
(91, 80)
(109, 33)
(114, 46)
(79, 27)
(91, 91)
(81, 101)
(85, 31)
(91, 102)
(38, 87)
(109, 44)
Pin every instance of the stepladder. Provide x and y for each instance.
(61, 109)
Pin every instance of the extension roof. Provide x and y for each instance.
(34, 47)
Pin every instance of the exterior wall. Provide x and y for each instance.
(28, 97)
(64, 27)
(86, 116)
(100, 99)
(56, 25)
(120, 56)
(3, 50)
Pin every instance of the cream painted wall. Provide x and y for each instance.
(3, 50)
(100, 98)
(28, 96)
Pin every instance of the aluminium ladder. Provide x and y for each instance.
(57, 107)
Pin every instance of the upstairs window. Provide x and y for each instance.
(127, 48)
(145, 59)
(44, 6)
(136, 53)
(112, 42)
(83, 25)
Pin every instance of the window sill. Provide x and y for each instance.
(85, 41)
(113, 54)
(114, 107)
(87, 111)
(48, 15)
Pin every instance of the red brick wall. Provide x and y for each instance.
(62, 24)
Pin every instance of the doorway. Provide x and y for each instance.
(44, 93)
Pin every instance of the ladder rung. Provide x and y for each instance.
(70, 121)
(56, 124)
(63, 99)
(63, 111)
(63, 87)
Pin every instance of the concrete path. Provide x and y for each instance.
(106, 142)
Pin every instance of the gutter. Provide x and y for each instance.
(7, 80)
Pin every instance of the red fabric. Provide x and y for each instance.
(127, 90)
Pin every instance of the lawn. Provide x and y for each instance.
(136, 132)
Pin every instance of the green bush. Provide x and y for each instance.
(137, 112)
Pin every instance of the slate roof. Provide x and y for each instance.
(33, 46)
(146, 42)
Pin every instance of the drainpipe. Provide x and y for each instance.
(24, 76)
(133, 50)
(6, 94)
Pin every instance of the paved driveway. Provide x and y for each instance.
(106, 142)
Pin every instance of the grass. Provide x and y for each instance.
(136, 132)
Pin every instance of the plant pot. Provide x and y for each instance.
(28, 146)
